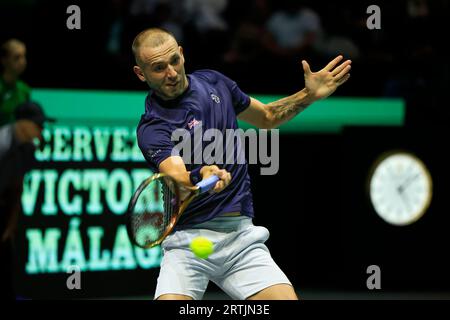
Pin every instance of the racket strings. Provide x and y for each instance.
(154, 212)
(168, 207)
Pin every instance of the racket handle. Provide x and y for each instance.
(207, 184)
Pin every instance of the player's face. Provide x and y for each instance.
(15, 61)
(163, 69)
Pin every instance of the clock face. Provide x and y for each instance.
(400, 188)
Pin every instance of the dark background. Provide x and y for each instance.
(324, 233)
(405, 58)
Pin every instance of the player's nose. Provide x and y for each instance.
(171, 72)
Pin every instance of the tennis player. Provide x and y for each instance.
(241, 264)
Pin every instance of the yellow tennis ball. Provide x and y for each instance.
(202, 247)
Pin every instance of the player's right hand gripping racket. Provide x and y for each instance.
(156, 207)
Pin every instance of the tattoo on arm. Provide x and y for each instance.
(287, 108)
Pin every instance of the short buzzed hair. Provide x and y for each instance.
(5, 48)
(153, 37)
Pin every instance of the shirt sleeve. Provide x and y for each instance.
(240, 100)
(155, 143)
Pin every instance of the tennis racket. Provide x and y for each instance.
(156, 206)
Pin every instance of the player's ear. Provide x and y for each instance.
(138, 71)
(181, 51)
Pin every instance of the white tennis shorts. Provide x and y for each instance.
(241, 264)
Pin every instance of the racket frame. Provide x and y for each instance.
(173, 220)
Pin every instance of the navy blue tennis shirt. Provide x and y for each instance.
(211, 101)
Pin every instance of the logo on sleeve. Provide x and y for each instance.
(152, 153)
(215, 98)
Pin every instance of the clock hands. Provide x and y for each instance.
(405, 200)
(401, 188)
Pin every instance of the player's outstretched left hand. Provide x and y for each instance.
(323, 83)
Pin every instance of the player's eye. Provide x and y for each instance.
(158, 68)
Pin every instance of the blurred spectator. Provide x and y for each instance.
(13, 91)
(165, 17)
(114, 41)
(246, 45)
(143, 7)
(292, 30)
(238, 36)
(206, 31)
(16, 154)
(166, 14)
(206, 14)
